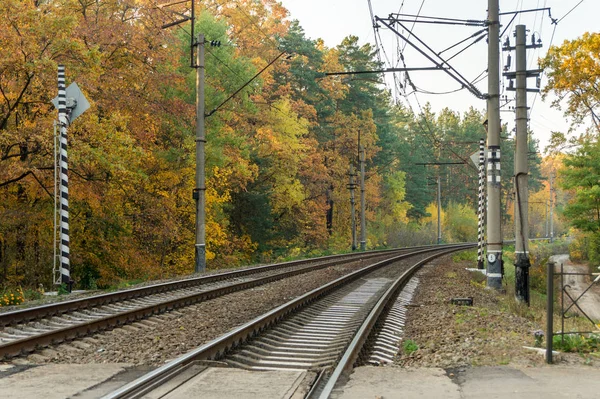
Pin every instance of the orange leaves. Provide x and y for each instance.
(573, 70)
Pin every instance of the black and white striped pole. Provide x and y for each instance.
(481, 206)
(63, 122)
(70, 103)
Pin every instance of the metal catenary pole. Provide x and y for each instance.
(481, 206)
(522, 263)
(363, 223)
(63, 121)
(494, 230)
(200, 190)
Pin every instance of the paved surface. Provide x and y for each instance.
(502, 382)
(88, 381)
(54, 381)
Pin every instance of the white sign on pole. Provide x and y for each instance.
(81, 103)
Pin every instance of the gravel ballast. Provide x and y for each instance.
(154, 341)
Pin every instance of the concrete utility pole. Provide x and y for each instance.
(439, 210)
(200, 190)
(363, 223)
(494, 229)
(522, 262)
(351, 187)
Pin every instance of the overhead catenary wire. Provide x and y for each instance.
(244, 85)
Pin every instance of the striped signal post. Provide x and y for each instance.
(63, 122)
(481, 205)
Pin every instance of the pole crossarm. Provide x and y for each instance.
(435, 58)
(434, 20)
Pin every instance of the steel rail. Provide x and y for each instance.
(39, 312)
(353, 351)
(73, 331)
(218, 347)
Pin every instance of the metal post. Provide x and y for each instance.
(546, 219)
(562, 304)
(351, 186)
(199, 191)
(363, 223)
(439, 210)
(481, 205)
(63, 121)
(522, 263)
(551, 209)
(549, 310)
(494, 230)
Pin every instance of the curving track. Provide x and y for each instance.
(323, 330)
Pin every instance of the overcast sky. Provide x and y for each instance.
(332, 20)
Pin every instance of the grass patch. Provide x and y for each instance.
(409, 346)
(470, 255)
(577, 343)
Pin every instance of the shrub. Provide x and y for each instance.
(12, 297)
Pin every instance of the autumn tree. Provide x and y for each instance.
(573, 71)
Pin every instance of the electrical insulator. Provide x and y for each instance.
(533, 39)
(538, 82)
(215, 43)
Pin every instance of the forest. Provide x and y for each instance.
(278, 155)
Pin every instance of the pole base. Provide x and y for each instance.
(494, 271)
(200, 265)
(522, 265)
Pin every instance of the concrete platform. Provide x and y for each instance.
(54, 381)
(502, 382)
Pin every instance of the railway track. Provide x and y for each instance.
(26, 330)
(324, 330)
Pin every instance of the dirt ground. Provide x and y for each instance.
(588, 303)
(490, 332)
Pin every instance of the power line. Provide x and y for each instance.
(571, 10)
(245, 84)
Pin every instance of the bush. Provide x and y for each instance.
(12, 297)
